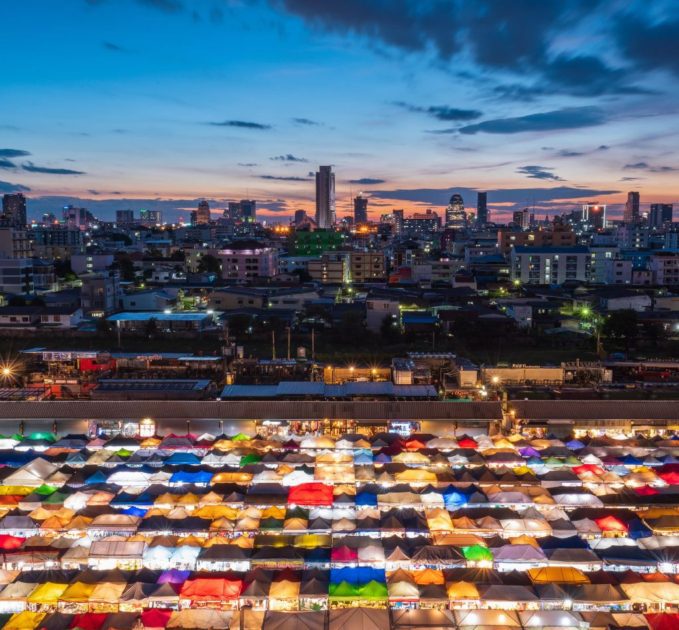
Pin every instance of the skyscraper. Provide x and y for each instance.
(124, 217)
(481, 209)
(325, 197)
(632, 208)
(360, 209)
(594, 215)
(456, 217)
(660, 214)
(248, 210)
(203, 213)
(14, 209)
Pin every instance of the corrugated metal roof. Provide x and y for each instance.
(285, 410)
(597, 409)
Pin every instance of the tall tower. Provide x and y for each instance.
(632, 208)
(325, 197)
(14, 209)
(456, 217)
(248, 208)
(360, 209)
(203, 213)
(481, 209)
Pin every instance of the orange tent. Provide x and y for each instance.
(311, 494)
(211, 589)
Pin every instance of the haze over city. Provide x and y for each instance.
(159, 103)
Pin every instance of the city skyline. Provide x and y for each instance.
(233, 100)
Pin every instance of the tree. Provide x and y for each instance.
(622, 326)
(126, 267)
(209, 264)
(389, 328)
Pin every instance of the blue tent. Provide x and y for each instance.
(135, 511)
(97, 477)
(638, 529)
(453, 498)
(179, 458)
(200, 476)
(357, 575)
(366, 498)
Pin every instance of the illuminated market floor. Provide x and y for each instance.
(188, 531)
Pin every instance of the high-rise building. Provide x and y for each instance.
(521, 218)
(325, 197)
(203, 213)
(150, 218)
(14, 209)
(80, 218)
(660, 214)
(481, 209)
(456, 217)
(124, 217)
(594, 215)
(632, 208)
(360, 209)
(248, 210)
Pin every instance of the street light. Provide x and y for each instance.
(495, 379)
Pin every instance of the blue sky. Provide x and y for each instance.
(125, 103)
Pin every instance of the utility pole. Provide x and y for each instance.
(273, 345)
(288, 343)
(313, 344)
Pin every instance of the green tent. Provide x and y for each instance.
(373, 590)
(343, 589)
(57, 498)
(477, 553)
(123, 452)
(250, 459)
(45, 490)
(240, 437)
(42, 435)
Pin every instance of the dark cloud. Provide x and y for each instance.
(534, 171)
(12, 153)
(367, 181)
(284, 179)
(569, 153)
(566, 118)
(649, 45)
(496, 35)
(32, 168)
(242, 124)
(630, 179)
(114, 47)
(273, 205)
(603, 147)
(248, 164)
(442, 112)
(5, 163)
(306, 121)
(7, 187)
(645, 166)
(93, 192)
(288, 157)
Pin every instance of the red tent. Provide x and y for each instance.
(9, 543)
(646, 491)
(415, 444)
(88, 621)
(611, 524)
(344, 554)
(671, 477)
(155, 617)
(312, 493)
(593, 468)
(211, 589)
(467, 442)
(663, 621)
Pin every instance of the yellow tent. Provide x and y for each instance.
(47, 593)
(557, 575)
(311, 541)
(231, 477)
(274, 512)
(223, 524)
(25, 620)
(462, 590)
(285, 589)
(525, 540)
(108, 592)
(77, 592)
(428, 576)
(416, 476)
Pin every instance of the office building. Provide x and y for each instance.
(78, 218)
(631, 214)
(17, 275)
(150, 218)
(594, 215)
(521, 218)
(203, 213)
(14, 243)
(456, 217)
(481, 209)
(660, 215)
(248, 210)
(56, 241)
(325, 197)
(367, 266)
(124, 217)
(244, 261)
(550, 265)
(14, 209)
(422, 223)
(360, 209)
(330, 268)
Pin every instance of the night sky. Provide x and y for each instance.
(157, 103)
